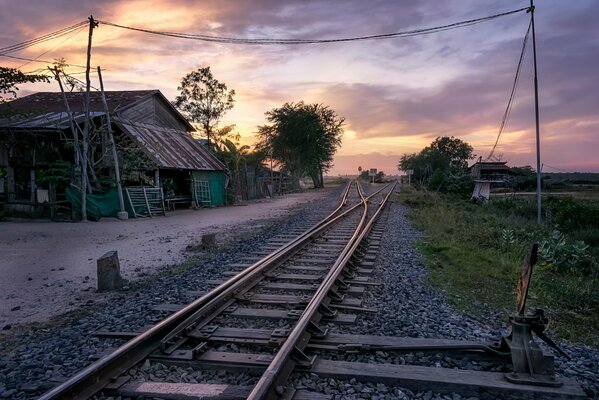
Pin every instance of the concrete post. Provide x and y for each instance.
(209, 241)
(109, 272)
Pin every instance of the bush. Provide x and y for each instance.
(571, 214)
(560, 255)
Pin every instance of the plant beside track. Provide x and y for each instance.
(475, 251)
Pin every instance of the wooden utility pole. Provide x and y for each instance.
(87, 122)
(122, 214)
(56, 73)
(534, 56)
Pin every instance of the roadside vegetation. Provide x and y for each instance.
(475, 250)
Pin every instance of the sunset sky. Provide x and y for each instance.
(397, 95)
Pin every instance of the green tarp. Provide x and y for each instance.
(98, 205)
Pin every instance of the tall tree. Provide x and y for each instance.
(302, 138)
(443, 157)
(203, 99)
(10, 78)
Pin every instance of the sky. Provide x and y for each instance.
(397, 95)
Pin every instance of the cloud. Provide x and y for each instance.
(397, 95)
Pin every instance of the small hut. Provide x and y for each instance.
(487, 175)
(154, 142)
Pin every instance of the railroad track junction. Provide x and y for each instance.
(278, 314)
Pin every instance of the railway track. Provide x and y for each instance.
(273, 316)
(308, 266)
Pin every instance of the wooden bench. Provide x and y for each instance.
(173, 201)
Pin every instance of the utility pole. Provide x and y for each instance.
(534, 56)
(122, 214)
(87, 122)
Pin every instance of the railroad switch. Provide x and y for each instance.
(531, 364)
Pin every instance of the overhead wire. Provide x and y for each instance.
(508, 108)
(41, 61)
(54, 47)
(50, 36)
(279, 41)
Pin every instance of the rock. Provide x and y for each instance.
(15, 308)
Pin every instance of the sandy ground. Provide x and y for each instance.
(48, 268)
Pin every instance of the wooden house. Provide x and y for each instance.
(487, 175)
(154, 145)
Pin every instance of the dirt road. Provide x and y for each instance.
(48, 268)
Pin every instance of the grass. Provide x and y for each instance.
(475, 251)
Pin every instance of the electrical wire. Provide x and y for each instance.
(508, 109)
(50, 36)
(41, 61)
(279, 41)
(54, 48)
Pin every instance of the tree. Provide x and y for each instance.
(203, 99)
(11, 77)
(302, 138)
(444, 156)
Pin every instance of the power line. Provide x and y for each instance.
(41, 61)
(53, 48)
(508, 109)
(50, 36)
(278, 41)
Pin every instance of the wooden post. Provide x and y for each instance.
(92, 25)
(157, 178)
(10, 183)
(32, 184)
(122, 214)
(74, 132)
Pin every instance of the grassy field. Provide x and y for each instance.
(475, 252)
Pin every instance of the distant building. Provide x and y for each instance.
(488, 175)
(154, 144)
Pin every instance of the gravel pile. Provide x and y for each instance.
(30, 358)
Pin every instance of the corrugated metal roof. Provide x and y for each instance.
(25, 112)
(50, 120)
(171, 148)
(53, 101)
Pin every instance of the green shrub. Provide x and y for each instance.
(558, 254)
(571, 214)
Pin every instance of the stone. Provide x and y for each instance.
(209, 241)
(109, 272)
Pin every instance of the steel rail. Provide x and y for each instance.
(97, 375)
(277, 373)
(255, 271)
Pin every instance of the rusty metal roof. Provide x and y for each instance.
(171, 148)
(49, 120)
(46, 110)
(53, 101)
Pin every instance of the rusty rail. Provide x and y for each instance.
(291, 352)
(96, 376)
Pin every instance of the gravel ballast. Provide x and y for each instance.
(31, 357)
(407, 306)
